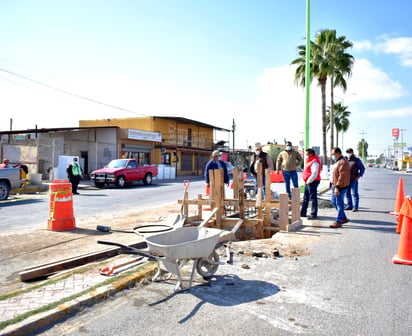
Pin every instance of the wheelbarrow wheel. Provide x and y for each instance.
(206, 267)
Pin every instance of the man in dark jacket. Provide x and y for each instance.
(357, 169)
(215, 163)
(264, 158)
(340, 184)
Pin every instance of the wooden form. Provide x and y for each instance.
(262, 217)
(45, 270)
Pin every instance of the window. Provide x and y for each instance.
(189, 137)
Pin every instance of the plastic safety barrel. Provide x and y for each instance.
(61, 215)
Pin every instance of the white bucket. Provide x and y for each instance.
(35, 178)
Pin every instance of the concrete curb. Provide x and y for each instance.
(43, 320)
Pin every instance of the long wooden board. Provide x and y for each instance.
(44, 270)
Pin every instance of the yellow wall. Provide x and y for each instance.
(142, 123)
(173, 132)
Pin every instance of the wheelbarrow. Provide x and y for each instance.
(171, 248)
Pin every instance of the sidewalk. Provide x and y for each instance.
(40, 305)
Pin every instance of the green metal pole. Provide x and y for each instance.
(307, 74)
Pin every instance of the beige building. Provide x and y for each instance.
(184, 143)
(171, 141)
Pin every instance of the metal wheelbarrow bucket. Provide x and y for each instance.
(172, 247)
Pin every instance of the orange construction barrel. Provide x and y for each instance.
(61, 216)
(276, 178)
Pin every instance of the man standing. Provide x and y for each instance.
(340, 184)
(311, 177)
(260, 157)
(216, 163)
(74, 172)
(357, 169)
(288, 160)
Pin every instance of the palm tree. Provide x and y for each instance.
(327, 59)
(343, 63)
(341, 119)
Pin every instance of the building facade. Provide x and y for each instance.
(185, 144)
(173, 142)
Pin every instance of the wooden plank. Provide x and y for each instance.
(44, 270)
(207, 219)
(295, 204)
(284, 212)
(199, 207)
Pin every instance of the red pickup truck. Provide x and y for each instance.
(121, 172)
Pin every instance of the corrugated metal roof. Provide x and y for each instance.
(191, 121)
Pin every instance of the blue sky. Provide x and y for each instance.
(212, 61)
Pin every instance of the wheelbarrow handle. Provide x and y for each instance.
(132, 249)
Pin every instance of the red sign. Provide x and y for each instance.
(395, 132)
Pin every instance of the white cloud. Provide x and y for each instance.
(371, 83)
(362, 46)
(401, 47)
(390, 113)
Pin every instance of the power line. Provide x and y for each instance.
(69, 93)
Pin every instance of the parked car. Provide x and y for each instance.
(250, 184)
(394, 168)
(409, 170)
(121, 172)
(10, 178)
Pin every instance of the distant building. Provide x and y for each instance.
(177, 142)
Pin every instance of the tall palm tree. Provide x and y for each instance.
(341, 119)
(327, 59)
(343, 63)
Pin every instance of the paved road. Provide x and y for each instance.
(25, 212)
(345, 285)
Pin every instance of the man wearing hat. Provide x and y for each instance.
(216, 163)
(357, 169)
(265, 159)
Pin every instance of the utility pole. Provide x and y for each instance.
(401, 130)
(233, 142)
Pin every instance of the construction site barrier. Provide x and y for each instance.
(61, 217)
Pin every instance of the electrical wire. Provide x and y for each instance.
(69, 93)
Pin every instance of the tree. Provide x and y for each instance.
(363, 149)
(342, 64)
(341, 119)
(328, 59)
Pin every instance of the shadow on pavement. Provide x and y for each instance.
(224, 290)
(361, 224)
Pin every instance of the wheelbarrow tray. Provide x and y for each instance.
(184, 243)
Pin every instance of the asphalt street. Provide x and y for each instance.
(346, 284)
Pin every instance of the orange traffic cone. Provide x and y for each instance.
(400, 196)
(404, 211)
(404, 255)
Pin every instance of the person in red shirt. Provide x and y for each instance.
(311, 177)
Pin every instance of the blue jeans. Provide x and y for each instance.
(263, 186)
(311, 194)
(287, 175)
(339, 204)
(353, 192)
